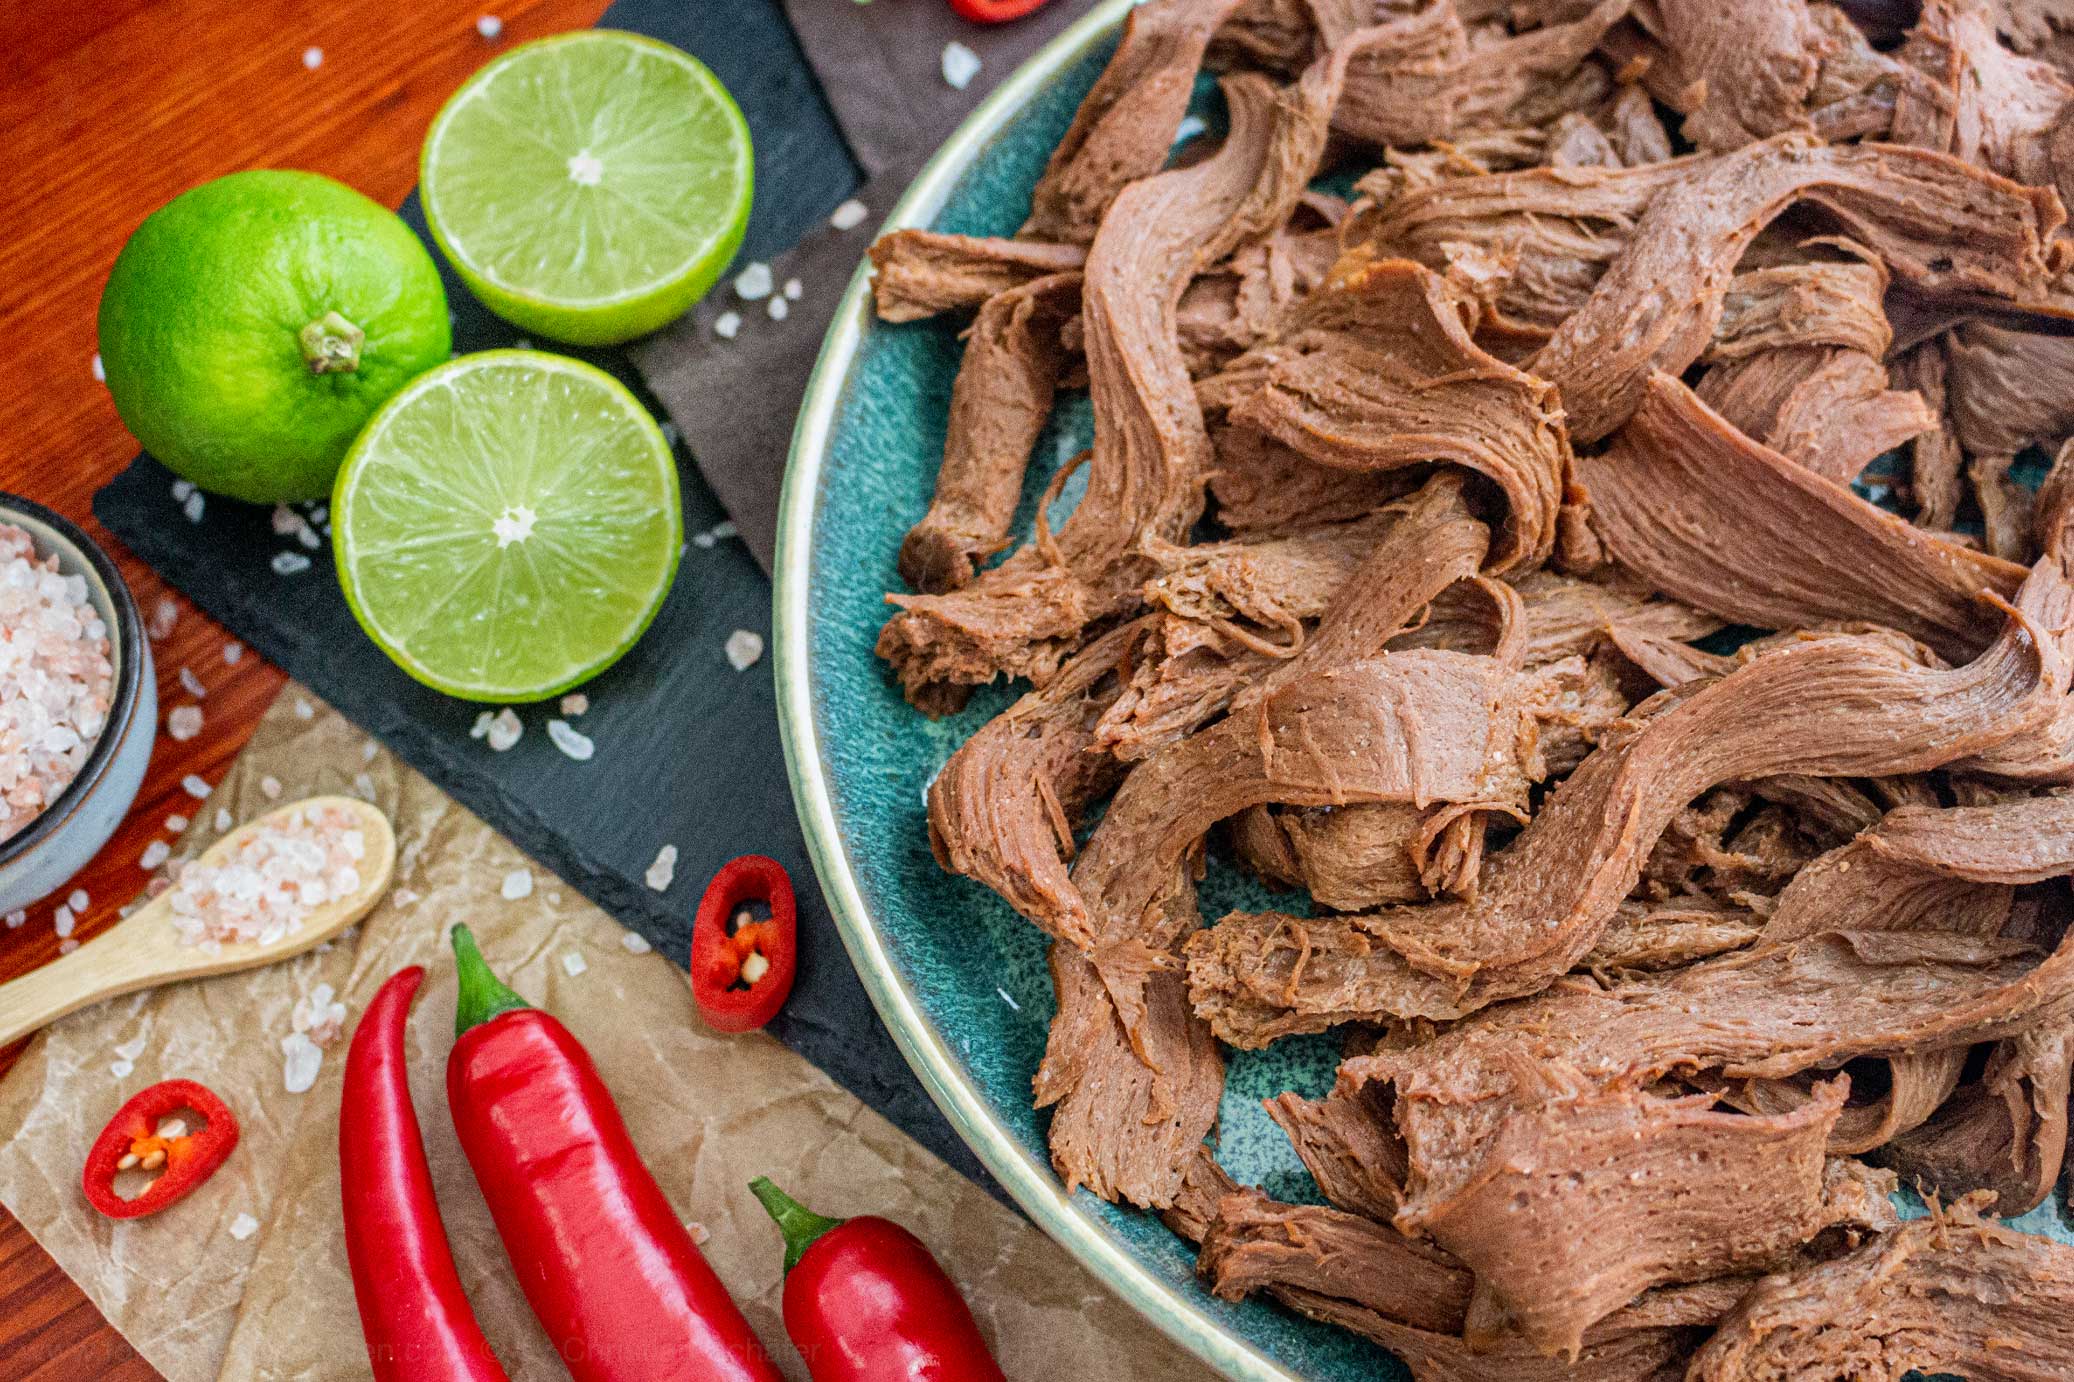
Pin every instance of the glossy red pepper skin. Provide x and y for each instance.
(190, 1159)
(413, 1312)
(714, 965)
(865, 1301)
(995, 11)
(610, 1271)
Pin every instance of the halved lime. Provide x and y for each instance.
(508, 525)
(589, 187)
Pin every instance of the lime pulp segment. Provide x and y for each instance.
(591, 185)
(508, 525)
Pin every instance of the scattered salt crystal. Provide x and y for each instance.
(960, 65)
(132, 1048)
(744, 649)
(635, 943)
(15, 920)
(270, 787)
(1006, 999)
(575, 703)
(224, 820)
(183, 490)
(243, 1227)
(304, 710)
(62, 922)
(192, 684)
(290, 563)
(700, 1234)
(312, 58)
(301, 1060)
(727, 324)
(176, 823)
(849, 215)
(573, 963)
(1189, 128)
(504, 730)
(183, 722)
(753, 283)
(663, 871)
(319, 1015)
(164, 615)
(263, 887)
(100, 372)
(286, 521)
(518, 884)
(56, 679)
(196, 787)
(482, 724)
(368, 751)
(489, 26)
(233, 653)
(78, 901)
(779, 309)
(793, 289)
(155, 853)
(193, 507)
(122, 1069)
(67, 946)
(572, 742)
(363, 786)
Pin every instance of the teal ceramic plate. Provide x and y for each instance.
(957, 976)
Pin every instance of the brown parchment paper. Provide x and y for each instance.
(708, 1113)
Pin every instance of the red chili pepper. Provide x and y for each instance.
(865, 1302)
(413, 1312)
(613, 1276)
(995, 11)
(733, 991)
(132, 1139)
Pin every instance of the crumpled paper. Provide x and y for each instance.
(708, 1112)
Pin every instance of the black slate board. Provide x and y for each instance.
(687, 748)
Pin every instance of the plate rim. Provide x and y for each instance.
(1029, 1181)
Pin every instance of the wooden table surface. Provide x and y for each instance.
(107, 110)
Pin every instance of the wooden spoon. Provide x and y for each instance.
(144, 950)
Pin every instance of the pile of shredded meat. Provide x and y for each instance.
(1678, 839)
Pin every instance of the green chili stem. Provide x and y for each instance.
(483, 994)
(800, 1225)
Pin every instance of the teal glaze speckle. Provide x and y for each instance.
(959, 977)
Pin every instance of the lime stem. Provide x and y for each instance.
(331, 344)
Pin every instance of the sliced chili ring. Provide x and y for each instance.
(995, 11)
(733, 991)
(182, 1161)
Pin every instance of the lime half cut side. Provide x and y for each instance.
(508, 525)
(589, 187)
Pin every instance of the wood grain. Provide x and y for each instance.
(107, 110)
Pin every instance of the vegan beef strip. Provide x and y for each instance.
(999, 405)
(1856, 707)
(1934, 221)
(921, 273)
(2006, 1136)
(1379, 372)
(1951, 1293)
(1145, 479)
(1688, 504)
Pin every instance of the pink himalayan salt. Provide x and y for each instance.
(272, 880)
(55, 679)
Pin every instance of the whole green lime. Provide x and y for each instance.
(253, 324)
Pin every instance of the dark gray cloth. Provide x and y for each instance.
(881, 68)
